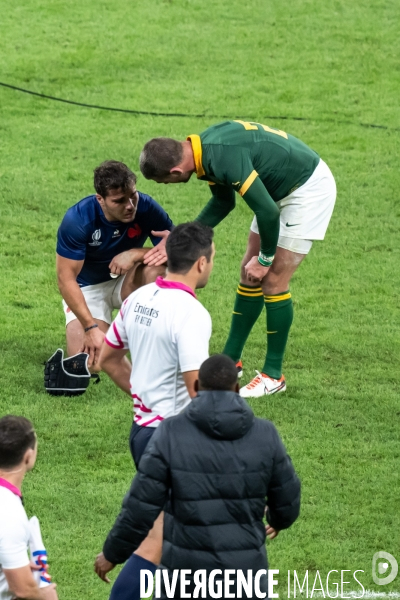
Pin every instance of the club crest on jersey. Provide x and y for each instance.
(96, 238)
(134, 231)
(116, 233)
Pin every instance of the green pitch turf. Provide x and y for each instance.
(333, 64)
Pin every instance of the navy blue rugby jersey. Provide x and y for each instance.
(85, 234)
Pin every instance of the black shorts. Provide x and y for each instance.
(138, 440)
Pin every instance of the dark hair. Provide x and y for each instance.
(159, 156)
(112, 175)
(187, 243)
(16, 436)
(218, 372)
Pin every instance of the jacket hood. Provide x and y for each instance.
(221, 415)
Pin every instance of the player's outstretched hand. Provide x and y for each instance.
(102, 566)
(121, 263)
(271, 532)
(92, 343)
(254, 270)
(157, 256)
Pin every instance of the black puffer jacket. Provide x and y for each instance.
(218, 466)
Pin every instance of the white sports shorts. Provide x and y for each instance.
(101, 299)
(306, 212)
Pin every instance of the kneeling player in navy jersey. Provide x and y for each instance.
(100, 254)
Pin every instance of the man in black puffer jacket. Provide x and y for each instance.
(214, 468)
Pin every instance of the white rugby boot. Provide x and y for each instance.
(239, 367)
(263, 385)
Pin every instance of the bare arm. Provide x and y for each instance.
(67, 272)
(121, 263)
(115, 363)
(189, 378)
(22, 584)
(152, 257)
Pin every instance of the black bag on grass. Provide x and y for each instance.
(66, 376)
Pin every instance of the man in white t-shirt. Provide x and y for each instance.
(18, 449)
(167, 332)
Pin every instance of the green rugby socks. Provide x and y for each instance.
(248, 306)
(279, 320)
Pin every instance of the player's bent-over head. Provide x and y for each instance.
(218, 373)
(159, 156)
(17, 442)
(190, 247)
(113, 175)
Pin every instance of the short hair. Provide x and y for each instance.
(16, 436)
(186, 243)
(159, 156)
(112, 175)
(218, 372)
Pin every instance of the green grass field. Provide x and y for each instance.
(334, 65)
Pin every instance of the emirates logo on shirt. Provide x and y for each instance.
(96, 238)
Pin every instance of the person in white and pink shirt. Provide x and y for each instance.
(167, 332)
(18, 449)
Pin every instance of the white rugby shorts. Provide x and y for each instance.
(306, 212)
(101, 299)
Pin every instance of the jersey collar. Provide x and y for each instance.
(9, 486)
(174, 285)
(197, 154)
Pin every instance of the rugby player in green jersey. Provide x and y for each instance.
(292, 194)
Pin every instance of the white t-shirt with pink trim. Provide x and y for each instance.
(14, 535)
(167, 331)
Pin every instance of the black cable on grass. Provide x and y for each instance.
(189, 116)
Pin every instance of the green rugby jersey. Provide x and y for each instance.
(260, 163)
